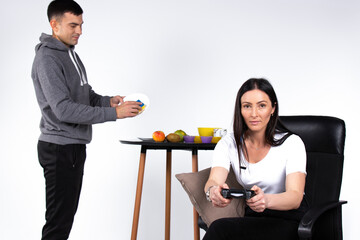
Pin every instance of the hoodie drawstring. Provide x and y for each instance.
(77, 66)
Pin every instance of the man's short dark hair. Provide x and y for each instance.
(58, 8)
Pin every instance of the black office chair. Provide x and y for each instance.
(324, 139)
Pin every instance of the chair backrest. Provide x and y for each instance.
(324, 139)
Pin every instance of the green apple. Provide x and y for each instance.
(181, 133)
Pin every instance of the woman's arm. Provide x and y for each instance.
(216, 182)
(290, 199)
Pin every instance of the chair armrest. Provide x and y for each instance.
(307, 222)
(202, 224)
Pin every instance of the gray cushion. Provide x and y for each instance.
(194, 183)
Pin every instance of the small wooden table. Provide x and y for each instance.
(149, 143)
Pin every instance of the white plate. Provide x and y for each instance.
(139, 97)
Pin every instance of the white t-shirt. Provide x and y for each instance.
(269, 174)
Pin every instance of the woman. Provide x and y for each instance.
(266, 158)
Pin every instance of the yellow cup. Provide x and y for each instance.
(206, 132)
(197, 139)
(215, 139)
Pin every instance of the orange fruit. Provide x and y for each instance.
(158, 136)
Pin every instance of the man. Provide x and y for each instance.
(69, 107)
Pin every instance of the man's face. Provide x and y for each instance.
(67, 29)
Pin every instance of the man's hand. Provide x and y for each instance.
(128, 109)
(115, 101)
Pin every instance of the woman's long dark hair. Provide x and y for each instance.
(274, 125)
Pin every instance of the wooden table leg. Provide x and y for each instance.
(139, 186)
(168, 195)
(195, 214)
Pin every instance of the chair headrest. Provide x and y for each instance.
(319, 133)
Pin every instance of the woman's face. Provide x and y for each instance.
(256, 110)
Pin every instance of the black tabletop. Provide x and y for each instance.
(149, 143)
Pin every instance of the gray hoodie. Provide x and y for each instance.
(67, 102)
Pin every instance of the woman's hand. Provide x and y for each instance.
(257, 203)
(216, 198)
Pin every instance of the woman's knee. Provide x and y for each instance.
(218, 229)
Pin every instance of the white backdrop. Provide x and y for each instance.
(190, 57)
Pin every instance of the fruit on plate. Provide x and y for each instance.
(173, 137)
(181, 133)
(158, 136)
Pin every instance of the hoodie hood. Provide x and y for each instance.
(49, 41)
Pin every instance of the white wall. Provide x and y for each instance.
(190, 58)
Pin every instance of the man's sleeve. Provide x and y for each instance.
(58, 96)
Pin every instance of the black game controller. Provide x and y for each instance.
(237, 193)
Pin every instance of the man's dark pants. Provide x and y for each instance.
(63, 171)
